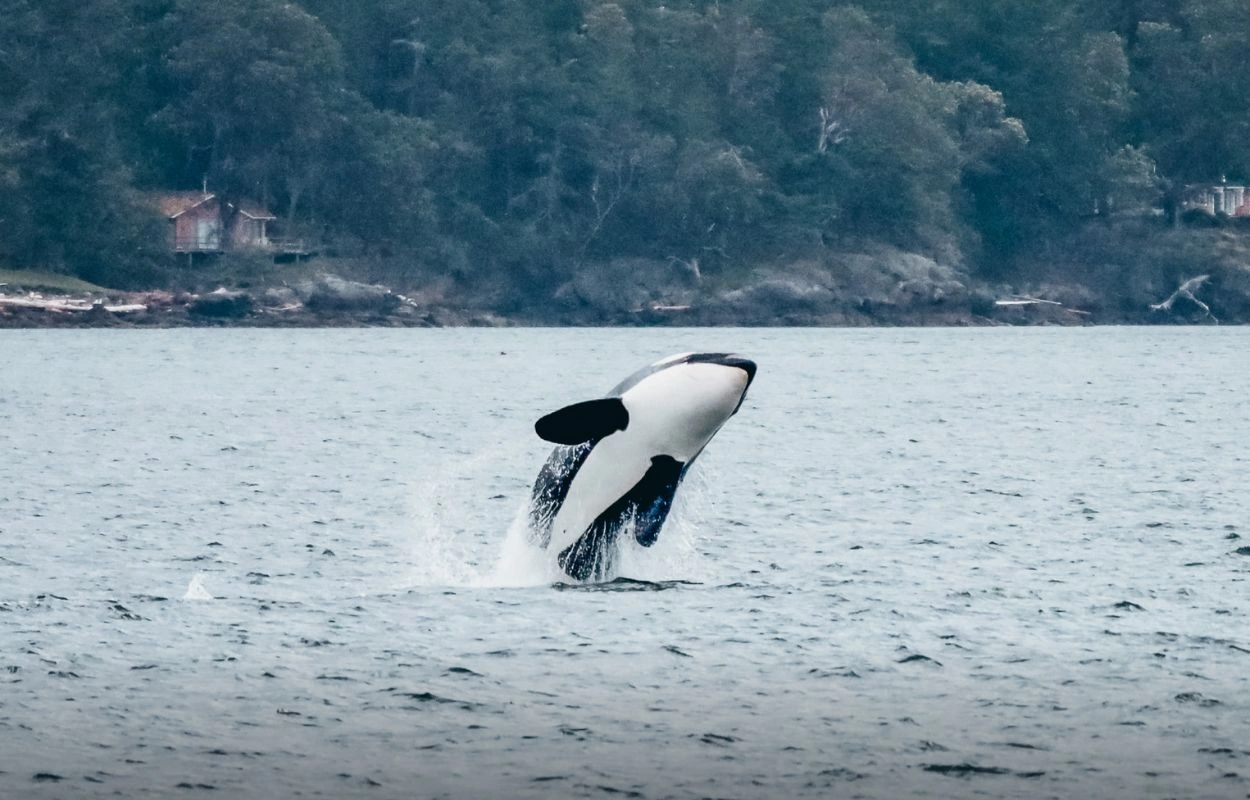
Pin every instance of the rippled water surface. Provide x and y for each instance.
(919, 563)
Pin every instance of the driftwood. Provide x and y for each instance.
(1186, 290)
(1022, 301)
(63, 305)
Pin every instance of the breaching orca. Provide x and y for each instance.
(620, 458)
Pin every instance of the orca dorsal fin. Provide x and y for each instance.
(582, 422)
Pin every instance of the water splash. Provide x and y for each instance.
(453, 541)
(455, 523)
(520, 561)
(196, 590)
(442, 552)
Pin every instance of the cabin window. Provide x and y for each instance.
(207, 234)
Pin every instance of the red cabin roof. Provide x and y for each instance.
(252, 210)
(175, 204)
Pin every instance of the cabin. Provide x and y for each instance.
(202, 222)
(1217, 199)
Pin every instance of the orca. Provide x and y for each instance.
(620, 458)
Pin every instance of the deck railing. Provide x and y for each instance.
(287, 245)
(290, 244)
(197, 244)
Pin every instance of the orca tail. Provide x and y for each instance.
(591, 556)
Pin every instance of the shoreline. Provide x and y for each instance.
(328, 301)
(31, 318)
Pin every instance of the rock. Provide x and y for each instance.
(793, 299)
(894, 279)
(846, 288)
(99, 316)
(629, 285)
(1071, 295)
(280, 297)
(158, 298)
(783, 293)
(332, 293)
(222, 304)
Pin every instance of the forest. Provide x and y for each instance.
(510, 146)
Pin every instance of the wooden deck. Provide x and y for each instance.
(277, 246)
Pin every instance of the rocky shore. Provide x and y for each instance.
(854, 290)
(324, 301)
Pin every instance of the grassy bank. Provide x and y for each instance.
(46, 282)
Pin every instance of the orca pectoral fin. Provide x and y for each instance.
(653, 498)
(582, 422)
(647, 504)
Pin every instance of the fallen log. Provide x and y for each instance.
(63, 305)
(1186, 291)
(1025, 300)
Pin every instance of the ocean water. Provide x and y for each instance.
(919, 563)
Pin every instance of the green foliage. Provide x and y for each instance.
(512, 145)
(887, 130)
(255, 89)
(1190, 72)
(67, 201)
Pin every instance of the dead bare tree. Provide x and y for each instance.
(691, 266)
(611, 183)
(1186, 290)
(832, 131)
